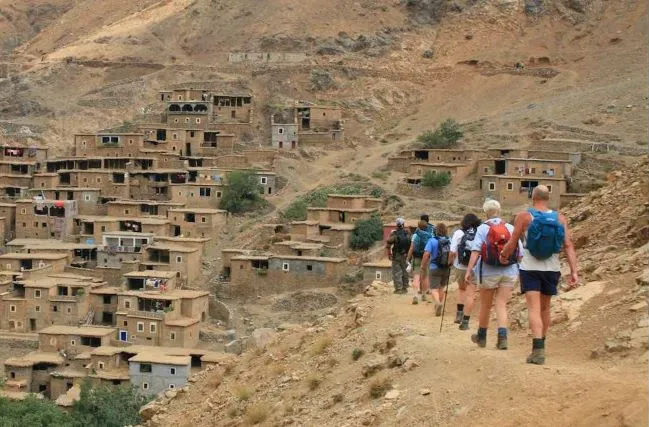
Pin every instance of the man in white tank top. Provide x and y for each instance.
(540, 277)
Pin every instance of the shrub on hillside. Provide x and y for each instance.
(435, 180)
(366, 232)
(103, 406)
(317, 198)
(242, 192)
(446, 135)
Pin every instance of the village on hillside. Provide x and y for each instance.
(103, 248)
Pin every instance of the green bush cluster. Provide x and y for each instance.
(366, 232)
(435, 180)
(242, 194)
(104, 406)
(446, 135)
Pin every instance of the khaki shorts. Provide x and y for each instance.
(495, 282)
(458, 275)
(438, 278)
(416, 267)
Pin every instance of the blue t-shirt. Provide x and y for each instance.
(476, 246)
(432, 248)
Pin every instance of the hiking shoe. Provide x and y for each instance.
(482, 342)
(423, 297)
(415, 300)
(537, 357)
(502, 343)
(464, 326)
(438, 309)
(458, 317)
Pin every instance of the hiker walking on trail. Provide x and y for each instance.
(397, 248)
(420, 237)
(496, 277)
(459, 257)
(545, 233)
(436, 260)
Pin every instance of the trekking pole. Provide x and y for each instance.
(441, 323)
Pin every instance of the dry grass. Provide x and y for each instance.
(379, 386)
(313, 381)
(242, 393)
(257, 413)
(320, 346)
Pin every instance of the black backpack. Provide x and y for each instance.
(443, 251)
(402, 243)
(463, 252)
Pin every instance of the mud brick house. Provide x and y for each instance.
(516, 190)
(125, 163)
(12, 150)
(113, 184)
(526, 167)
(304, 123)
(90, 229)
(185, 261)
(34, 304)
(500, 153)
(8, 215)
(456, 171)
(196, 222)
(31, 373)
(210, 174)
(32, 264)
(140, 208)
(79, 254)
(45, 219)
(204, 194)
(108, 144)
(402, 161)
(378, 270)
(297, 248)
(88, 200)
(169, 318)
(153, 373)
(268, 274)
(155, 184)
(339, 215)
(198, 121)
(118, 247)
(74, 339)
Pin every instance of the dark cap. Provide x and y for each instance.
(424, 217)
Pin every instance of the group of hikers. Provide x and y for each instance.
(491, 256)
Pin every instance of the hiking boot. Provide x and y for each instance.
(464, 326)
(423, 297)
(537, 357)
(502, 343)
(438, 309)
(482, 342)
(458, 317)
(415, 300)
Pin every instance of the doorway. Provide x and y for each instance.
(500, 167)
(188, 149)
(123, 336)
(32, 324)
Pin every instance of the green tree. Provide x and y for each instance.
(107, 406)
(366, 232)
(446, 135)
(242, 193)
(435, 180)
(32, 412)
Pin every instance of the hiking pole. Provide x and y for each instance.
(441, 323)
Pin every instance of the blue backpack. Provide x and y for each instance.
(545, 234)
(422, 238)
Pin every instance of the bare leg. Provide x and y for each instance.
(503, 294)
(469, 299)
(415, 283)
(533, 299)
(545, 313)
(486, 299)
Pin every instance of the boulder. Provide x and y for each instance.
(373, 365)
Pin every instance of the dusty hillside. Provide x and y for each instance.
(408, 373)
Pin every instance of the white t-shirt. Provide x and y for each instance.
(455, 242)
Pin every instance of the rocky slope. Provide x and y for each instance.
(382, 361)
